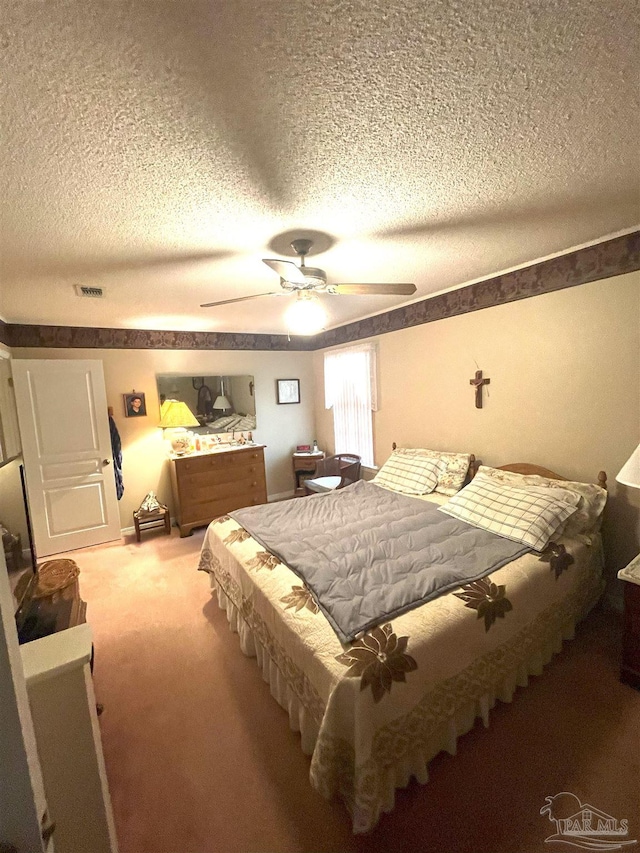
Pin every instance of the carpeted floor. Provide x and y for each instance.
(200, 758)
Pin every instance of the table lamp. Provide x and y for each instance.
(176, 416)
(629, 474)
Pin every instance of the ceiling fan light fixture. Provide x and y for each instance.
(306, 316)
(314, 276)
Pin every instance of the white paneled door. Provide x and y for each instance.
(66, 445)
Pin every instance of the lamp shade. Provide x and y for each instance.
(174, 413)
(630, 472)
(221, 402)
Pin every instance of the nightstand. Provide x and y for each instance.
(304, 467)
(630, 670)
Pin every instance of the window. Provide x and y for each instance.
(351, 391)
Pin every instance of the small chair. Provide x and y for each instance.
(334, 472)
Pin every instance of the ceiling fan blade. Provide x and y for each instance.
(239, 299)
(374, 289)
(286, 270)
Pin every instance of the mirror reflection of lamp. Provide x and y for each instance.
(221, 402)
(175, 417)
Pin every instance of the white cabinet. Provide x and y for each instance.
(22, 799)
(63, 708)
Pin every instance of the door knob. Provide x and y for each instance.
(105, 462)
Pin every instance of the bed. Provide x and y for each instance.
(232, 423)
(374, 711)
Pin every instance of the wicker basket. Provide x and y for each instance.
(55, 575)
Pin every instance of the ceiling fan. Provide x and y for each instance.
(305, 280)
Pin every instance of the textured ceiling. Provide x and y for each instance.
(157, 148)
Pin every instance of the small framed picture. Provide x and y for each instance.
(134, 405)
(288, 390)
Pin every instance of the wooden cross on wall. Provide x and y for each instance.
(479, 382)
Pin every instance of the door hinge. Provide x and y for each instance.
(47, 828)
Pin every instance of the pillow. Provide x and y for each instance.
(528, 514)
(581, 525)
(456, 466)
(453, 470)
(408, 473)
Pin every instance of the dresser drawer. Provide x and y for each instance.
(203, 492)
(206, 511)
(229, 461)
(220, 477)
(632, 609)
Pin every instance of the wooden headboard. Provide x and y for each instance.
(528, 468)
(523, 468)
(473, 464)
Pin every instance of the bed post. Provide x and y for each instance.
(473, 466)
(394, 446)
(602, 479)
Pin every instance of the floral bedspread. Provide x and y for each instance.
(382, 702)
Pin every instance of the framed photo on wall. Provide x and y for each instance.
(288, 390)
(135, 405)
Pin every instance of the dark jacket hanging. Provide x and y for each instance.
(116, 448)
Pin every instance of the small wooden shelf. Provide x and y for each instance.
(152, 521)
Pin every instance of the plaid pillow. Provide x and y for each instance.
(585, 521)
(453, 467)
(408, 473)
(530, 515)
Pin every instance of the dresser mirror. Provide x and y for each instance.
(219, 403)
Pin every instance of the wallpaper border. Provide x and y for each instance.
(84, 337)
(603, 260)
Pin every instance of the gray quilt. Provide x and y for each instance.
(368, 554)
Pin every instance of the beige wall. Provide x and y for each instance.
(145, 465)
(564, 393)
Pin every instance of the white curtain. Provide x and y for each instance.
(351, 391)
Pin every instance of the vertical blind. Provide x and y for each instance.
(351, 391)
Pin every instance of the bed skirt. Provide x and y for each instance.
(443, 738)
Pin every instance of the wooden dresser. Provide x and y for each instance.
(630, 670)
(206, 485)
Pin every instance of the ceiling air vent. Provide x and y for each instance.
(95, 292)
